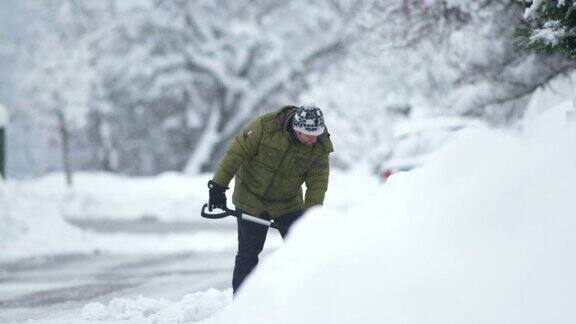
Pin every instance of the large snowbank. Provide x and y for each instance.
(560, 93)
(32, 215)
(10, 227)
(170, 196)
(484, 233)
(30, 224)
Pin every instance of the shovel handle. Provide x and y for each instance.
(229, 212)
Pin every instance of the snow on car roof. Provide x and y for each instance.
(427, 124)
(406, 162)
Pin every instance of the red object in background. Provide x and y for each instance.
(385, 174)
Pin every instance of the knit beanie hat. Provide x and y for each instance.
(308, 120)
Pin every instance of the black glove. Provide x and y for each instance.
(217, 196)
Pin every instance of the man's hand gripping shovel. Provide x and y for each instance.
(206, 213)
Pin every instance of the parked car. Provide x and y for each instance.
(414, 140)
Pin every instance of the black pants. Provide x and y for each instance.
(251, 238)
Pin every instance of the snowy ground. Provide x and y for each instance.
(109, 239)
(55, 289)
(483, 233)
(143, 269)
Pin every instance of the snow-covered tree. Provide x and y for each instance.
(203, 69)
(357, 110)
(552, 27)
(429, 57)
(163, 85)
(56, 74)
(459, 55)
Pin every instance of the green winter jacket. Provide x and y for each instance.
(271, 165)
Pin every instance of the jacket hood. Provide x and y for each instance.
(284, 117)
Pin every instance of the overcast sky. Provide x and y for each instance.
(9, 18)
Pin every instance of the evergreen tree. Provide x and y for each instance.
(550, 28)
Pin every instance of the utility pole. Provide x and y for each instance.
(3, 123)
(2, 152)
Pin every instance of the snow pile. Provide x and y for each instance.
(559, 94)
(484, 233)
(192, 308)
(33, 225)
(32, 216)
(169, 196)
(10, 227)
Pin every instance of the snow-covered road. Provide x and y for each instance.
(40, 288)
(59, 286)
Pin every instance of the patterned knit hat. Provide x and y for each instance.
(308, 120)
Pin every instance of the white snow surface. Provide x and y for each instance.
(192, 308)
(168, 197)
(33, 212)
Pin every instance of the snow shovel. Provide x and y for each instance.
(238, 214)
